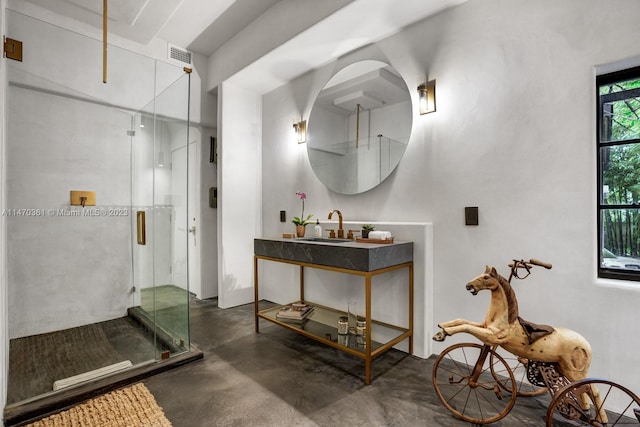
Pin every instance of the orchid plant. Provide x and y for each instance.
(301, 220)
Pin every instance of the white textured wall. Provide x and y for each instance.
(514, 135)
(208, 236)
(240, 197)
(66, 271)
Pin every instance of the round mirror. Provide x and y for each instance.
(359, 127)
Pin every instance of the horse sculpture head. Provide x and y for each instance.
(492, 281)
(487, 280)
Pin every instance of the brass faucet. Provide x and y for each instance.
(340, 230)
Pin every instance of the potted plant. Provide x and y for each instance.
(366, 228)
(300, 221)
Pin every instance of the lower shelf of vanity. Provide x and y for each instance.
(321, 326)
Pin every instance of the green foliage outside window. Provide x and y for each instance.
(619, 157)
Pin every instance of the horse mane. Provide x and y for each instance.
(512, 302)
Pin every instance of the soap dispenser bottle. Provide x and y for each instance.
(317, 229)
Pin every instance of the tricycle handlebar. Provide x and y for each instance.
(526, 265)
(540, 263)
(517, 263)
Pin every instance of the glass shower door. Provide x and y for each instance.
(161, 219)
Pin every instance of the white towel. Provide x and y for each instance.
(380, 235)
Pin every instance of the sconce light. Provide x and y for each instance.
(301, 131)
(427, 97)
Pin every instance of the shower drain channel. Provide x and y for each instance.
(91, 375)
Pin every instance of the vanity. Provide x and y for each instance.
(365, 260)
(358, 131)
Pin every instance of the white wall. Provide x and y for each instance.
(514, 135)
(66, 270)
(208, 236)
(239, 196)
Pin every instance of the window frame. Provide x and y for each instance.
(604, 79)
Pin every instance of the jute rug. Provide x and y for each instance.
(133, 406)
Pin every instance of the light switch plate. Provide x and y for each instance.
(471, 215)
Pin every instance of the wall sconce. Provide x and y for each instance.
(301, 131)
(427, 97)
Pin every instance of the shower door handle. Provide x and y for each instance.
(141, 227)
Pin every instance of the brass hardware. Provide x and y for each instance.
(368, 353)
(301, 131)
(187, 70)
(340, 230)
(332, 233)
(141, 227)
(427, 97)
(13, 49)
(350, 234)
(82, 198)
(357, 124)
(104, 40)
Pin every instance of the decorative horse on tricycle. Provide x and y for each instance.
(477, 384)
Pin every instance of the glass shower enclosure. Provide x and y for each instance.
(160, 203)
(98, 288)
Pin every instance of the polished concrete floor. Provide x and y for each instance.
(278, 378)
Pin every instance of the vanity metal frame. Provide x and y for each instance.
(367, 353)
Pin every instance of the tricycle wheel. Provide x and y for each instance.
(593, 402)
(482, 400)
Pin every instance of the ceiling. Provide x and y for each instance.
(203, 26)
(180, 22)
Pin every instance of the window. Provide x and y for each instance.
(619, 174)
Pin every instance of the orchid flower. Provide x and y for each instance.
(301, 220)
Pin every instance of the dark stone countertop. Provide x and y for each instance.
(350, 254)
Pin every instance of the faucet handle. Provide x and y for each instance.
(332, 233)
(350, 234)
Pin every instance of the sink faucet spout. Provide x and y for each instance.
(340, 229)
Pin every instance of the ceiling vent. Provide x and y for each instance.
(178, 55)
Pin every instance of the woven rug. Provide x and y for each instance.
(133, 406)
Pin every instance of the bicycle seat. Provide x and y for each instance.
(534, 331)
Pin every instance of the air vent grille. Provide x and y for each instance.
(177, 54)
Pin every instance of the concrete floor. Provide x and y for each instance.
(278, 378)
